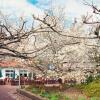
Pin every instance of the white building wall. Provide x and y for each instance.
(16, 72)
(3, 73)
(15, 69)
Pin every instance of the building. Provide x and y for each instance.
(13, 69)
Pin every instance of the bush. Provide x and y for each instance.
(92, 89)
(94, 98)
(81, 98)
(35, 90)
(67, 98)
(54, 97)
(89, 79)
(44, 94)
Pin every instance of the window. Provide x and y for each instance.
(23, 73)
(10, 73)
(9, 70)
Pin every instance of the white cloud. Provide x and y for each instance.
(19, 8)
(73, 8)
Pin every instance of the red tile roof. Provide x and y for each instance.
(10, 64)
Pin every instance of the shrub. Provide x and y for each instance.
(81, 98)
(54, 97)
(89, 79)
(92, 89)
(67, 98)
(35, 90)
(93, 98)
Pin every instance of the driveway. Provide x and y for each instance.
(8, 92)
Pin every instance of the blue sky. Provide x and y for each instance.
(72, 8)
(33, 1)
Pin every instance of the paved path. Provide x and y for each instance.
(8, 92)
